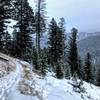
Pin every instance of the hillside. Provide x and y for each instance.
(23, 84)
(90, 44)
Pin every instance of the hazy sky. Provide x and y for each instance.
(82, 14)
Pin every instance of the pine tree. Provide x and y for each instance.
(73, 53)
(59, 71)
(6, 43)
(88, 68)
(56, 46)
(53, 28)
(52, 33)
(62, 27)
(33, 56)
(23, 30)
(98, 77)
(81, 69)
(44, 61)
(40, 26)
(4, 15)
(13, 46)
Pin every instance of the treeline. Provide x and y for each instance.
(60, 55)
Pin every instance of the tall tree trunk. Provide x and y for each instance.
(38, 37)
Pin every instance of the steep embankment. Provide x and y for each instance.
(23, 84)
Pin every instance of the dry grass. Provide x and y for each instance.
(6, 65)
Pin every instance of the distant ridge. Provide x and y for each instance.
(90, 44)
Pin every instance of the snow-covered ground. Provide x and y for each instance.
(7, 82)
(63, 90)
(48, 88)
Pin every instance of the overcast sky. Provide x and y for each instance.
(82, 14)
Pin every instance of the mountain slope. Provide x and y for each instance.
(90, 44)
(50, 88)
(27, 85)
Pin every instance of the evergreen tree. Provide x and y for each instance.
(59, 71)
(6, 43)
(51, 40)
(20, 9)
(4, 15)
(13, 46)
(73, 53)
(88, 68)
(23, 31)
(62, 27)
(44, 61)
(40, 26)
(56, 46)
(33, 56)
(81, 69)
(98, 77)
(55, 42)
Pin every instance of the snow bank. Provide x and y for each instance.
(49, 88)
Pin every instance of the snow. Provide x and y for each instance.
(7, 82)
(62, 90)
(14, 92)
(48, 88)
(10, 25)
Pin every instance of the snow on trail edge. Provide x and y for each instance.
(49, 87)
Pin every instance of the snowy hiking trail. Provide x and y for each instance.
(7, 82)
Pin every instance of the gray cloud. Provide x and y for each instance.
(83, 14)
